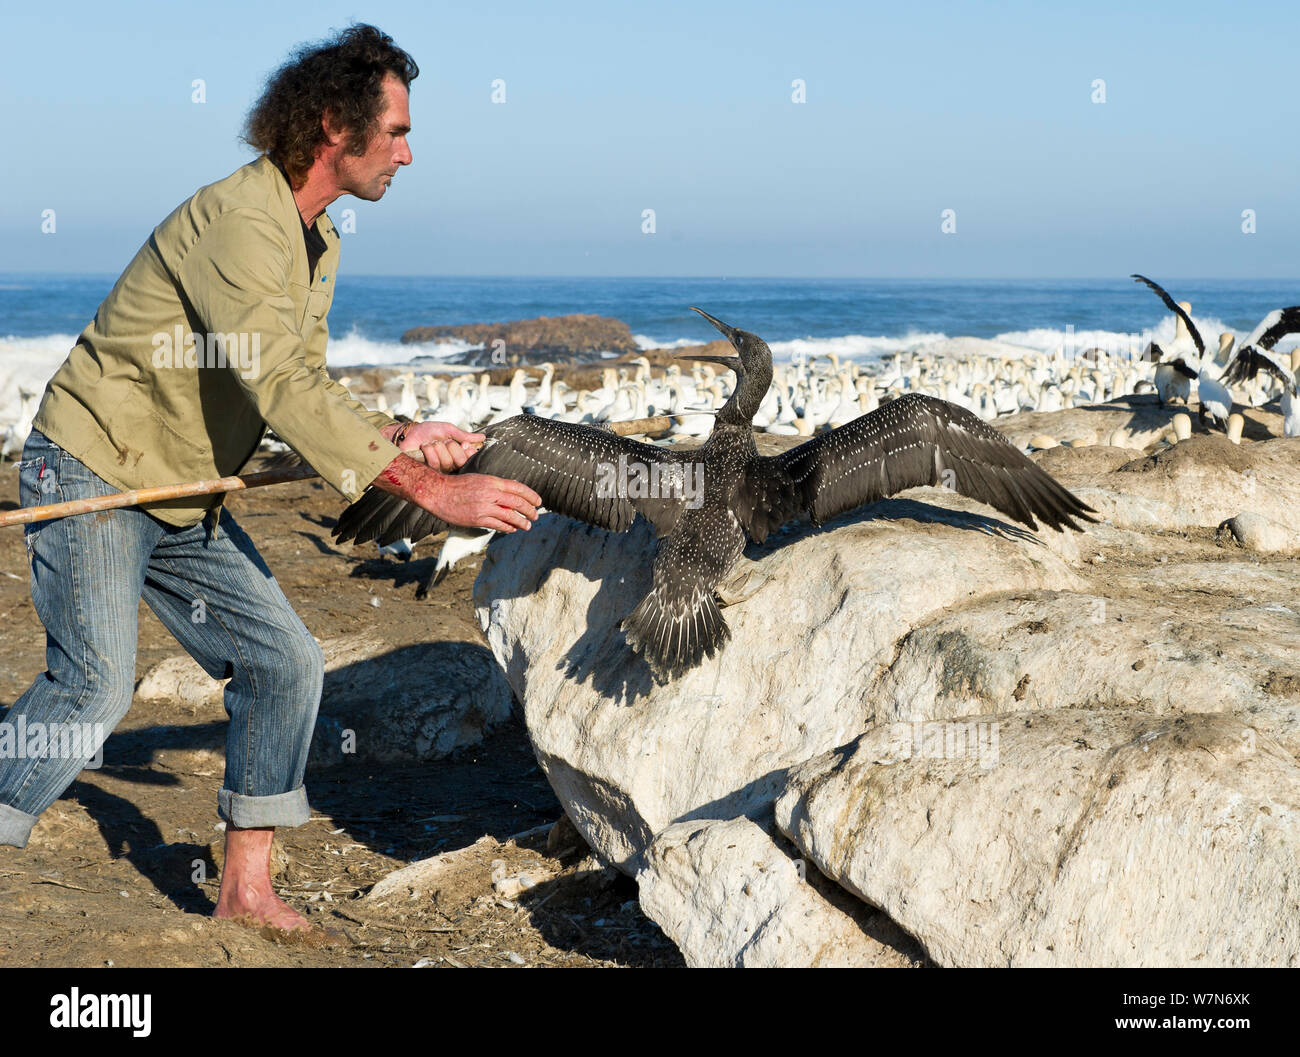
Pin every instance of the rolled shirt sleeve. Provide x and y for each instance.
(236, 277)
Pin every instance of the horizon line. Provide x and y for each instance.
(728, 278)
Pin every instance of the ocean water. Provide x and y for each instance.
(40, 315)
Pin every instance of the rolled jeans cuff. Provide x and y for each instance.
(15, 826)
(260, 812)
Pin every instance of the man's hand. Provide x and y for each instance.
(445, 447)
(472, 500)
(479, 500)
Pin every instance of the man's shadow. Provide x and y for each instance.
(175, 869)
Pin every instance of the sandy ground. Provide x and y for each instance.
(120, 871)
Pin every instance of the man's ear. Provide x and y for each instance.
(333, 133)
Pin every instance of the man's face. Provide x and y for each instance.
(368, 175)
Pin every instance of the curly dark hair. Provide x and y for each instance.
(345, 76)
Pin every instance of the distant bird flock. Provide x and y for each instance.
(824, 392)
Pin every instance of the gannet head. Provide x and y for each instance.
(753, 350)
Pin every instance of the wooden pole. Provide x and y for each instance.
(154, 495)
(139, 496)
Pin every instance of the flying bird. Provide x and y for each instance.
(705, 503)
(1214, 398)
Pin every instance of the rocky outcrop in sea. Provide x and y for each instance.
(559, 339)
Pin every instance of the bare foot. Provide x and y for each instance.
(246, 893)
(256, 909)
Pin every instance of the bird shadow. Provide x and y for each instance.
(321, 521)
(601, 653)
(895, 509)
(615, 669)
(1147, 412)
(321, 546)
(398, 572)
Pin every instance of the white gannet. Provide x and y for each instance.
(15, 435)
(1256, 355)
(407, 406)
(432, 387)
(515, 400)
(1224, 354)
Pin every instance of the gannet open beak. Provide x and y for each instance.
(728, 332)
(732, 363)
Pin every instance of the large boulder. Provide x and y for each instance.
(1258, 533)
(410, 703)
(1069, 749)
(1065, 838)
(1179, 652)
(1138, 420)
(1199, 483)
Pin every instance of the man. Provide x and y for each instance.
(216, 330)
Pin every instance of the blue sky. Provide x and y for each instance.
(685, 108)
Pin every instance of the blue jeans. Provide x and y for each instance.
(212, 590)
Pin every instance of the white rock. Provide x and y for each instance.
(478, 864)
(180, 680)
(1066, 838)
(1262, 534)
(1048, 650)
(1198, 483)
(728, 896)
(1141, 419)
(419, 702)
(511, 886)
(423, 877)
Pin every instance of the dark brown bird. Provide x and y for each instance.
(705, 503)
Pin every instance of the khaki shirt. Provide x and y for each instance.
(214, 331)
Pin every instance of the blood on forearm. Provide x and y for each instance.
(409, 480)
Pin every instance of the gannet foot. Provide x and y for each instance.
(745, 579)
